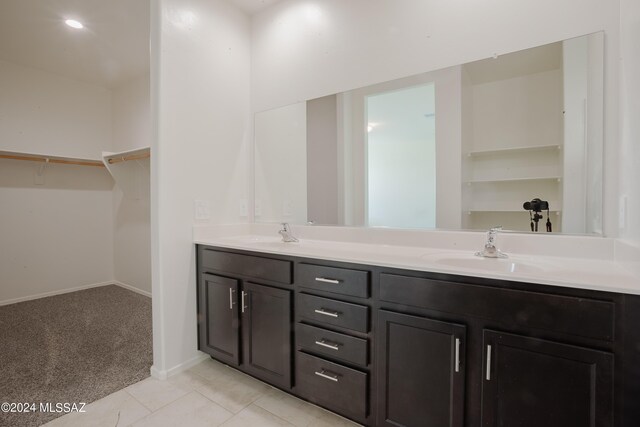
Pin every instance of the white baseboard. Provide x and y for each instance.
(52, 293)
(132, 288)
(77, 288)
(157, 374)
(163, 375)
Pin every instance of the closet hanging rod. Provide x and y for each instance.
(47, 159)
(127, 158)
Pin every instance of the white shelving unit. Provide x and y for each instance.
(109, 158)
(512, 143)
(537, 178)
(511, 150)
(501, 180)
(130, 170)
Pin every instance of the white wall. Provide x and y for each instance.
(280, 155)
(629, 156)
(58, 235)
(322, 161)
(131, 115)
(45, 113)
(523, 111)
(304, 50)
(41, 112)
(131, 216)
(201, 119)
(55, 236)
(466, 145)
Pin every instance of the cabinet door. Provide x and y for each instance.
(530, 382)
(266, 326)
(218, 321)
(420, 371)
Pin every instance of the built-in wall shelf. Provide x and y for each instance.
(509, 207)
(500, 180)
(514, 150)
(537, 178)
(129, 172)
(46, 158)
(124, 156)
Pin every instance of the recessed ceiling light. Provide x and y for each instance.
(74, 24)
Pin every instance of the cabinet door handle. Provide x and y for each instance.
(457, 362)
(325, 280)
(231, 291)
(488, 363)
(327, 375)
(243, 295)
(327, 344)
(327, 313)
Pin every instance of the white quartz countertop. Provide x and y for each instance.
(588, 271)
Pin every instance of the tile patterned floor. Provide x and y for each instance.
(209, 394)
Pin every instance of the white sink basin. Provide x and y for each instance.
(497, 265)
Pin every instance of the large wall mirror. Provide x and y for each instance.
(515, 140)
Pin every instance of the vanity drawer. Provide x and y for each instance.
(246, 265)
(332, 312)
(333, 279)
(332, 344)
(336, 387)
(582, 317)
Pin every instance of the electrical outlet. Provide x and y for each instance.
(257, 209)
(244, 208)
(202, 210)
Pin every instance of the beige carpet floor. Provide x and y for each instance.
(75, 347)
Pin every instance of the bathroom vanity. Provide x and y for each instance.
(404, 347)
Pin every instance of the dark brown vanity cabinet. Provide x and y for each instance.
(512, 379)
(218, 319)
(533, 382)
(421, 365)
(332, 338)
(245, 324)
(390, 347)
(266, 333)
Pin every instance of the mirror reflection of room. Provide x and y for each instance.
(467, 147)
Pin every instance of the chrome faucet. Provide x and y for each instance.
(490, 250)
(286, 234)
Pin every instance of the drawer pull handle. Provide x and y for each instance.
(327, 313)
(457, 362)
(231, 291)
(327, 344)
(244, 294)
(328, 376)
(325, 280)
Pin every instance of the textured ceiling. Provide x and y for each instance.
(113, 47)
